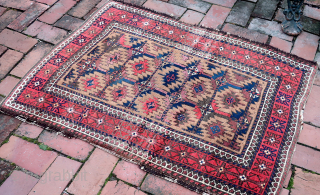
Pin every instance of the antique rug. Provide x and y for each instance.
(210, 111)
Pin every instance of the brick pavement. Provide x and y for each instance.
(30, 28)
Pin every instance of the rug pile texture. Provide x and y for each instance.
(210, 111)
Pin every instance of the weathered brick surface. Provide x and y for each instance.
(48, 2)
(8, 17)
(215, 16)
(3, 49)
(28, 16)
(31, 59)
(28, 130)
(6, 169)
(27, 155)
(18, 183)
(317, 80)
(284, 192)
(310, 136)
(191, 17)
(69, 22)
(311, 12)
(163, 7)
(265, 9)
(305, 183)
(2, 10)
(226, 3)
(104, 1)
(82, 8)
(240, 13)
(46, 32)
(268, 27)
(129, 172)
(56, 178)
(281, 44)
(134, 2)
(17, 4)
(8, 124)
(8, 60)
(89, 13)
(288, 176)
(120, 188)
(57, 11)
(246, 33)
(197, 5)
(307, 158)
(156, 185)
(311, 112)
(306, 46)
(16, 40)
(75, 148)
(7, 84)
(93, 174)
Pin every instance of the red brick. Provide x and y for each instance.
(31, 59)
(163, 7)
(284, 192)
(27, 17)
(2, 49)
(89, 13)
(57, 11)
(69, 22)
(8, 17)
(129, 172)
(306, 46)
(310, 136)
(8, 124)
(82, 8)
(226, 3)
(18, 183)
(29, 130)
(57, 177)
(192, 17)
(17, 4)
(311, 12)
(305, 183)
(281, 44)
(48, 2)
(311, 112)
(105, 1)
(27, 155)
(246, 33)
(95, 171)
(134, 2)
(317, 80)
(120, 188)
(2, 10)
(16, 40)
(197, 5)
(307, 158)
(8, 60)
(156, 185)
(215, 17)
(46, 32)
(288, 177)
(7, 85)
(6, 169)
(72, 147)
(279, 15)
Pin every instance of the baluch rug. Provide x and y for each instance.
(210, 111)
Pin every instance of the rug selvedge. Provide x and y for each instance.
(187, 159)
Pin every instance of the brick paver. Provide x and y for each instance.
(31, 59)
(56, 178)
(57, 11)
(134, 2)
(307, 158)
(240, 13)
(75, 148)
(93, 174)
(311, 112)
(246, 33)
(197, 5)
(226, 3)
(16, 40)
(89, 13)
(305, 183)
(19, 183)
(265, 9)
(17, 4)
(306, 46)
(129, 172)
(281, 44)
(310, 136)
(192, 17)
(29, 130)
(8, 124)
(288, 177)
(6, 169)
(163, 7)
(120, 188)
(48, 2)
(311, 12)
(28, 17)
(3, 49)
(284, 192)
(8, 60)
(46, 32)
(215, 17)
(27, 155)
(8, 17)
(69, 22)
(2, 10)
(82, 8)
(7, 84)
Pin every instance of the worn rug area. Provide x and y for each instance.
(210, 111)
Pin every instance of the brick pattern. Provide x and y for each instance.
(30, 28)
